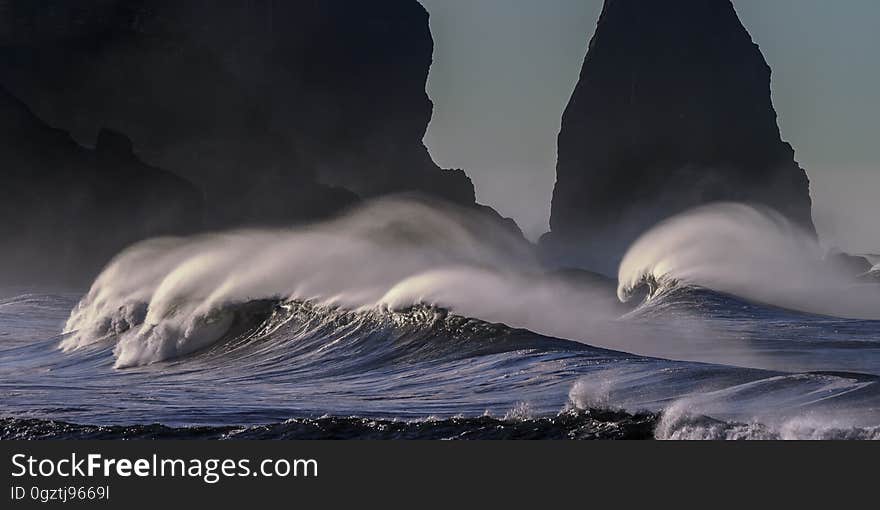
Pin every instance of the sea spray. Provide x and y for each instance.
(748, 251)
(165, 298)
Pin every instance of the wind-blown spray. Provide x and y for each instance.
(167, 297)
(747, 251)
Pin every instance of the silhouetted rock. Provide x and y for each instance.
(272, 107)
(114, 147)
(65, 210)
(672, 110)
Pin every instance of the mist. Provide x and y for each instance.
(747, 251)
(167, 297)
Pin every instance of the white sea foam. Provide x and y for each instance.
(167, 297)
(750, 252)
(736, 405)
(164, 298)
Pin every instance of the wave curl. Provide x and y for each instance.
(165, 298)
(747, 251)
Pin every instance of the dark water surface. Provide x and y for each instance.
(294, 370)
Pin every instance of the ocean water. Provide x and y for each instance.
(405, 321)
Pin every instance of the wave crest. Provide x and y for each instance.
(165, 298)
(747, 251)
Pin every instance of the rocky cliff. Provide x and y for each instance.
(672, 110)
(65, 209)
(281, 110)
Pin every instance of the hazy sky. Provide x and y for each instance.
(504, 70)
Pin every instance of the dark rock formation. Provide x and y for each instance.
(65, 210)
(270, 106)
(672, 110)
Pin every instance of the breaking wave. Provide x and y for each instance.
(413, 319)
(746, 251)
(694, 402)
(165, 298)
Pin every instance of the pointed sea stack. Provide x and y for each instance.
(672, 110)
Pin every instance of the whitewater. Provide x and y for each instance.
(410, 318)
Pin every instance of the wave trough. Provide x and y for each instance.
(409, 319)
